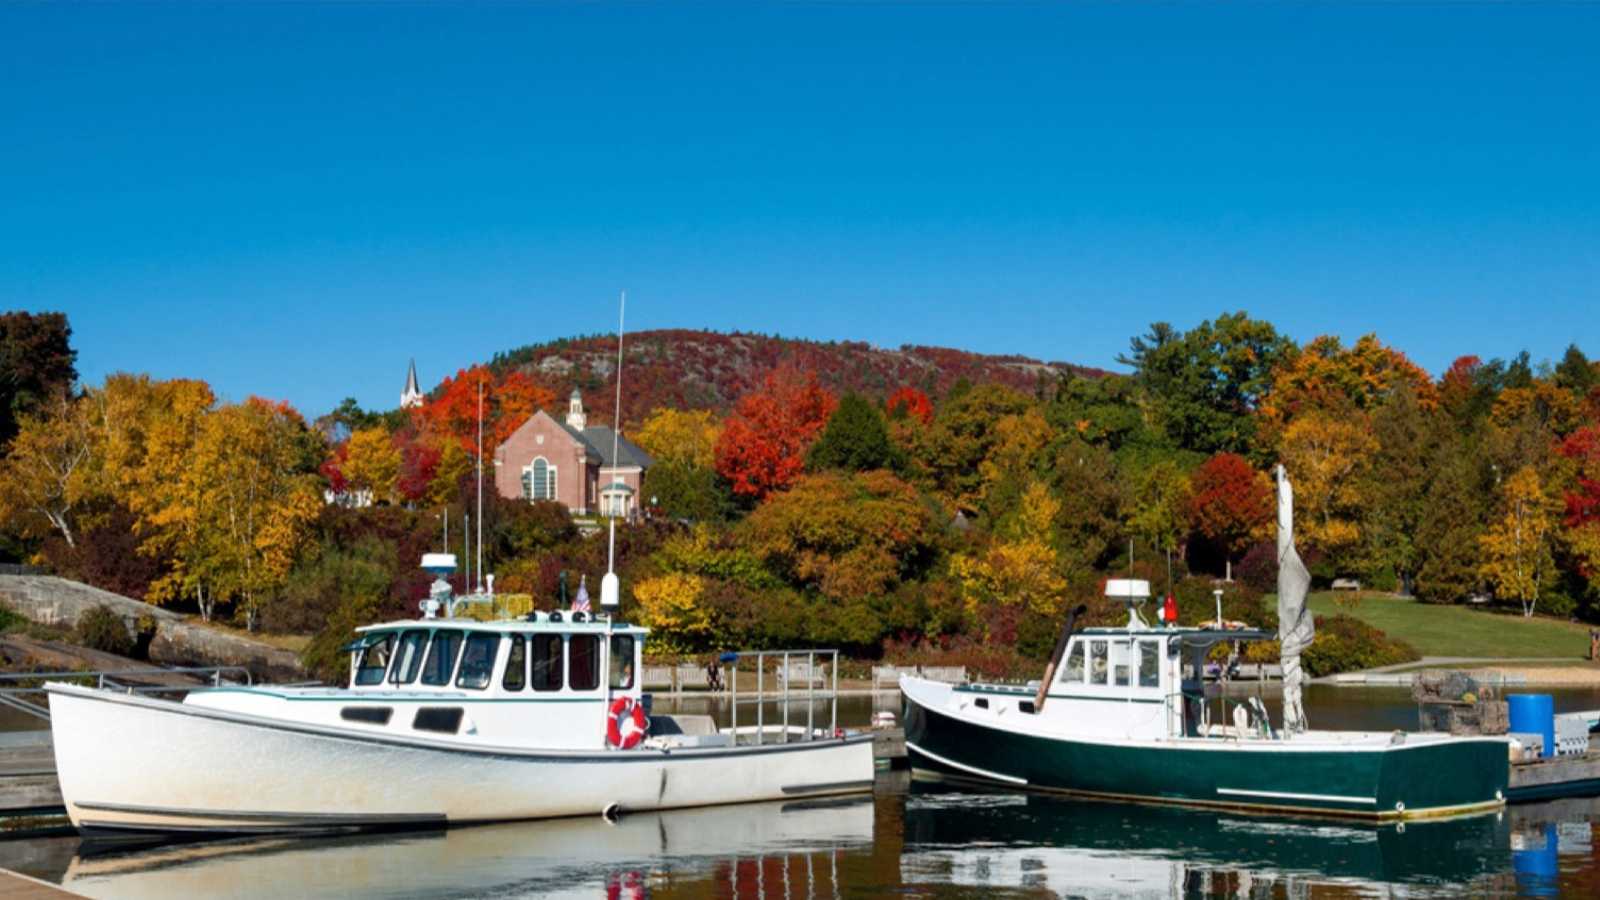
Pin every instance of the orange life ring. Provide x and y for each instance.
(626, 724)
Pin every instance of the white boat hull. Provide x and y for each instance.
(132, 764)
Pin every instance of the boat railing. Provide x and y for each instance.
(791, 666)
(17, 688)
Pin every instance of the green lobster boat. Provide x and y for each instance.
(1122, 713)
(1121, 721)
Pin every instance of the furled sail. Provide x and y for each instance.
(1295, 625)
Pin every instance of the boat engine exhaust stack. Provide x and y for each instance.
(1055, 656)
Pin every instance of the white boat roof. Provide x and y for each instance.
(513, 626)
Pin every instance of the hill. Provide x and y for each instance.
(689, 369)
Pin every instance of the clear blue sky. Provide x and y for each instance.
(292, 200)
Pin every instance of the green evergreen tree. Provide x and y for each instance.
(855, 439)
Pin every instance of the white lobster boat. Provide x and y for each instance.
(444, 721)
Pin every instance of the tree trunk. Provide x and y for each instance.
(1228, 568)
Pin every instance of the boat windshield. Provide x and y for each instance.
(375, 660)
(408, 658)
(441, 657)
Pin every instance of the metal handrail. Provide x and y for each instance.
(760, 699)
(12, 697)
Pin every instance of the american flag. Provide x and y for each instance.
(580, 603)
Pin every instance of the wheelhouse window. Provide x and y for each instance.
(441, 659)
(622, 661)
(1122, 662)
(1072, 672)
(1149, 664)
(1097, 662)
(546, 653)
(516, 665)
(374, 660)
(584, 672)
(477, 660)
(408, 659)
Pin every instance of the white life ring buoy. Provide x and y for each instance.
(625, 724)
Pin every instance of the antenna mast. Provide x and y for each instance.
(480, 485)
(610, 590)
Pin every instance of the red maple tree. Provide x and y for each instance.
(1229, 502)
(508, 401)
(763, 446)
(910, 402)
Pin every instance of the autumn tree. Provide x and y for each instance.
(909, 403)
(1517, 547)
(961, 437)
(1327, 458)
(1230, 503)
(1159, 513)
(241, 507)
(1580, 525)
(679, 436)
(844, 534)
(682, 490)
(1329, 377)
(1204, 384)
(372, 464)
(44, 475)
(763, 445)
(1396, 486)
(1021, 567)
(855, 439)
(452, 411)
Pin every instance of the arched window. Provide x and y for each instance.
(539, 480)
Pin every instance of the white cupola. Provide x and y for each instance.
(575, 416)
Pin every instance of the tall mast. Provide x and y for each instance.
(610, 590)
(480, 485)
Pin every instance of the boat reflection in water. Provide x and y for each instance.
(652, 853)
(1086, 848)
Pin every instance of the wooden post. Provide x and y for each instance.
(1055, 656)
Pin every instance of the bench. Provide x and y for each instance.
(690, 675)
(657, 677)
(802, 674)
(887, 676)
(1347, 584)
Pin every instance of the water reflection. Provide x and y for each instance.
(743, 848)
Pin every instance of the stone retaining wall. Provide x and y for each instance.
(49, 600)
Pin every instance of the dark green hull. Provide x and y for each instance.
(1422, 780)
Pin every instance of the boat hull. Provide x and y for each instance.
(132, 764)
(1399, 782)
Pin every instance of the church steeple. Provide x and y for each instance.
(575, 417)
(412, 395)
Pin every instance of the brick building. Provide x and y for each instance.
(570, 462)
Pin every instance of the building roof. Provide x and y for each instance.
(596, 440)
(411, 380)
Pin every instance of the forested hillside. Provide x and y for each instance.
(684, 369)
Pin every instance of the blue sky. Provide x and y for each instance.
(292, 200)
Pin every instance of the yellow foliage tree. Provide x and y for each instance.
(670, 604)
(240, 509)
(1022, 567)
(454, 463)
(686, 436)
(1326, 456)
(1517, 546)
(1019, 441)
(44, 474)
(372, 463)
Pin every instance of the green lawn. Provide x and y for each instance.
(1460, 630)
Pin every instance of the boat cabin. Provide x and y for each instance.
(545, 656)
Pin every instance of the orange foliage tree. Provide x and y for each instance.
(1229, 502)
(508, 401)
(910, 403)
(763, 446)
(1327, 376)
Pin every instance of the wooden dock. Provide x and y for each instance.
(21, 887)
(28, 774)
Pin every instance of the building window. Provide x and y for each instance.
(539, 480)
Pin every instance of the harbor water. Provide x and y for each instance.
(905, 839)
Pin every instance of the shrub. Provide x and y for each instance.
(102, 629)
(1345, 644)
(1259, 568)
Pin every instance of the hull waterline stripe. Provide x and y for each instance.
(829, 786)
(1286, 795)
(966, 768)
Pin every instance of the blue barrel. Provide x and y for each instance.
(1534, 714)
